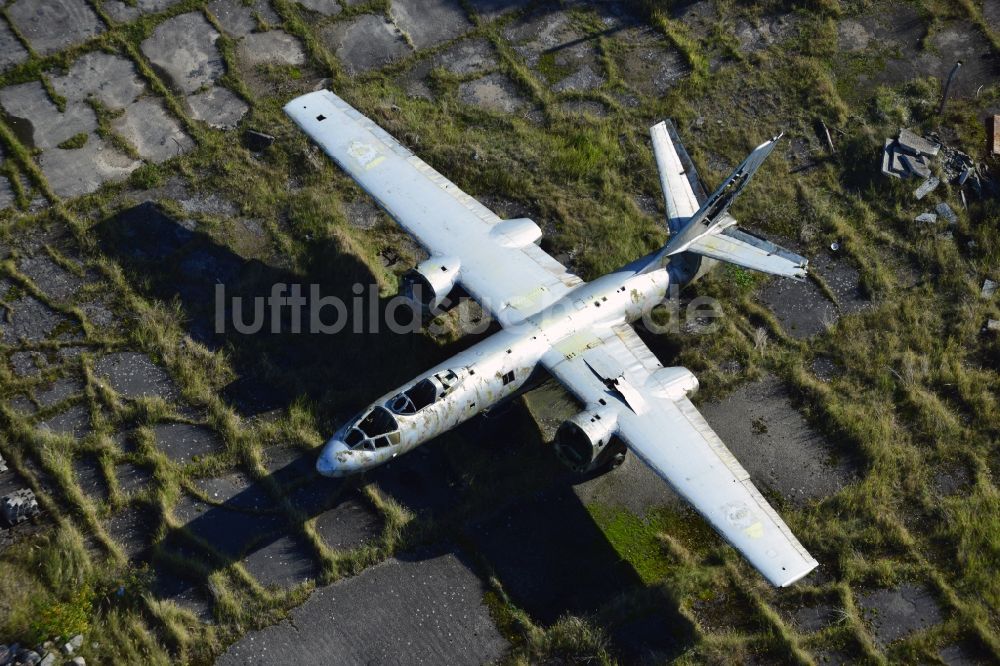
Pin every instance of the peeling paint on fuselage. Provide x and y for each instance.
(570, 324)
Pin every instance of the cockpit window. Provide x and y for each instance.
(423, 393)
(377, 429)
(378, 422)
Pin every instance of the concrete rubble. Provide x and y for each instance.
(946, 213)
(46, 654)
(995, 136)
(989, 288)
(926, 218)
(993, 325)
(19, 506)
(910, 156)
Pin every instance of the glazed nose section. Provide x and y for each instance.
(335, 459)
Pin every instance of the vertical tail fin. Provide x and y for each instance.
(713, 216)
(702, 226)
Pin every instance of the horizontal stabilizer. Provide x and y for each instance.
(738, 247)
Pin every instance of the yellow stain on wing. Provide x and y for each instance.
(755, 531)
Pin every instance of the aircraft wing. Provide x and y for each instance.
(667, 433)
(511, 280)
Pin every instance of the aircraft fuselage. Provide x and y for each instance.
(489, 371)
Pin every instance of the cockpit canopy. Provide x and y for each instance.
(425, 392)
(375, 430)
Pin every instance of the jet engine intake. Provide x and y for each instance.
(586, 441)
(430, 282)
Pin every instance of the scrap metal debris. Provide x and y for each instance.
(19, 506)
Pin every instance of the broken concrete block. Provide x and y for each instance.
(926, 187)
(887, 157)
(49, 660)
(993, 325)
(18, 506)
(3, 468)
(916, 145)
(989, 288)
(79, 661)
(76, 641)
(946, 213)
(995, 135)
(926, 218)
(916, 165)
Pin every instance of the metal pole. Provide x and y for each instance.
(947, 86)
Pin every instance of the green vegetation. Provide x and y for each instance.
(75, 141)
(915, 395)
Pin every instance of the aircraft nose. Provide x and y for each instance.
(334, 459)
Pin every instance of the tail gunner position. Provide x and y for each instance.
(577, 331)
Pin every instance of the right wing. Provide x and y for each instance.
(667, 433)
(511, 279)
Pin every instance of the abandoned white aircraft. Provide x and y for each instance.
(578, 331)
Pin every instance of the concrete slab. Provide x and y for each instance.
(110, 78)
(553, 46)
(55, 281)
(232, 533)
(29, 320)
(182, 50)
(584, 107)
(651, 67)
(430, 22)
(801, 307)
(186, 594)
(491, 10)
(569, 567)
(284, 562)
(132, 478)
(134, 375)
(274, 47)
(774, 443)
(184, 443)
(434, 607)
(219, 107)
(154, 134)
(12, 52)
(467, 57)
(366, 42)
(494, 92)
(73, 421)
(895, 613)
(239, 18)
(125, 12)
(236, 490)
(27, 363)
(350, 524)
(7, 197)
(90, 478)
(324, 7)
(59, 390)
(38, 122)
(80, 171)
(133, 528)
(52, 25)
(766, 31)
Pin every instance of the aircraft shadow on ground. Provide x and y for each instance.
(493, 483)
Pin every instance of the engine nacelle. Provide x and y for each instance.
(431, 281)
(674, 383)
(585, 442)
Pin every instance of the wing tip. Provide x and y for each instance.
(797, 575)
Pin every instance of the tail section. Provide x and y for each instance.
(704, 226)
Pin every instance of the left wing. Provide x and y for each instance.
(667, 433)
(508, 274)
